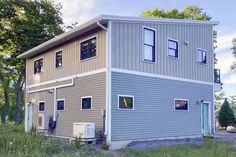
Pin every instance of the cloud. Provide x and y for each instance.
(230, 80)
(77, 10)
(225, 41)
(225, 60)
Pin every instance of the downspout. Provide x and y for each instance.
(55, 104)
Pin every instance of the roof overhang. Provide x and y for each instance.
(93, 23)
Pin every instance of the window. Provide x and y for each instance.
(149, 45)
(38, 64)
(61, 105)
(181, 104)
(41, 106)
(88, 48)
(86, 103)
(59, 59)
(173, 48)
(201, 56)
(126, 102)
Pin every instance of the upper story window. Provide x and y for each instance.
(149, 45)
(38, 64)
(88, 48)
(59, 59)
(201, 56)
(173, 48)
(41, 106)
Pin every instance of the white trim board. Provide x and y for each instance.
(159, 76)
(68, 78)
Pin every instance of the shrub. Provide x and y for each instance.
(226, 115)
(78, 142)
(104, 146)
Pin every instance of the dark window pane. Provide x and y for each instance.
(125, 102)
(60, 105)
(181, 105)
(59, 59)
(86, 103)
(149, 45)
(88, 49)
(173, 48)
(41, 106)
(38, 64)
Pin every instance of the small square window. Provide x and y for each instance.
(173, 48)
(149, 45)
(41, 106)
(60, 105)
(181, 104)
(126, 102)
(38, 64)
(59, 59)
(88, 48)
(201, 56)
(86, 103)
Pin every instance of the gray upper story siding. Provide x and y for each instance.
(154, 115)
(127, 49)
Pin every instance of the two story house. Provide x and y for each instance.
(135, 78)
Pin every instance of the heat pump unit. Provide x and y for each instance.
(84, 130)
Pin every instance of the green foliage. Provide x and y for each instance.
(104, 146)
(78, 142)
(190, 12)
(226, 115)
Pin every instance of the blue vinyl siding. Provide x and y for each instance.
(154, 115)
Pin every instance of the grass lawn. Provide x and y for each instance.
(14, 142)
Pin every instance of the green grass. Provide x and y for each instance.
(14, 142)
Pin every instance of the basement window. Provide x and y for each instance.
(181, 104)
(125, 102)
(86, 103)
(38, 64)
(88, 48)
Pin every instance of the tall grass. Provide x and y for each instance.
(15, 143)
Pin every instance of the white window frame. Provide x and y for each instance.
(55, 60)
(197, 56)
(155, 45)
(43, 121)
(118, 105)
(183, 100)
(173, 57)
(44, 105)
(91, 102)
(64, 104)
(42, 69)
(85, 39)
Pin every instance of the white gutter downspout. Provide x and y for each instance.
(55, 94)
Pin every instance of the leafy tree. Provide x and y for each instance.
(233, 66)
(219, 97)
(190, 12)
(24, 24)
(226, 115)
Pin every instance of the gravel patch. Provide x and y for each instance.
(225, 136)
(169, 142)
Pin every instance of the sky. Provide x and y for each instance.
(220, 10)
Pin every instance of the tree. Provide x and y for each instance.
(190, 12)
(219, 97)
(24, 25)
(226, 115)
(233, 66)
(233, 101)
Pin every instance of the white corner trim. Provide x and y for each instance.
(68, 77)
(132, 72)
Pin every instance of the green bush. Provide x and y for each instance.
(226, 115)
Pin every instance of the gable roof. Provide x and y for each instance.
(93, 23)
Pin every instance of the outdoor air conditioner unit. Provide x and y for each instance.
(84, 130)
